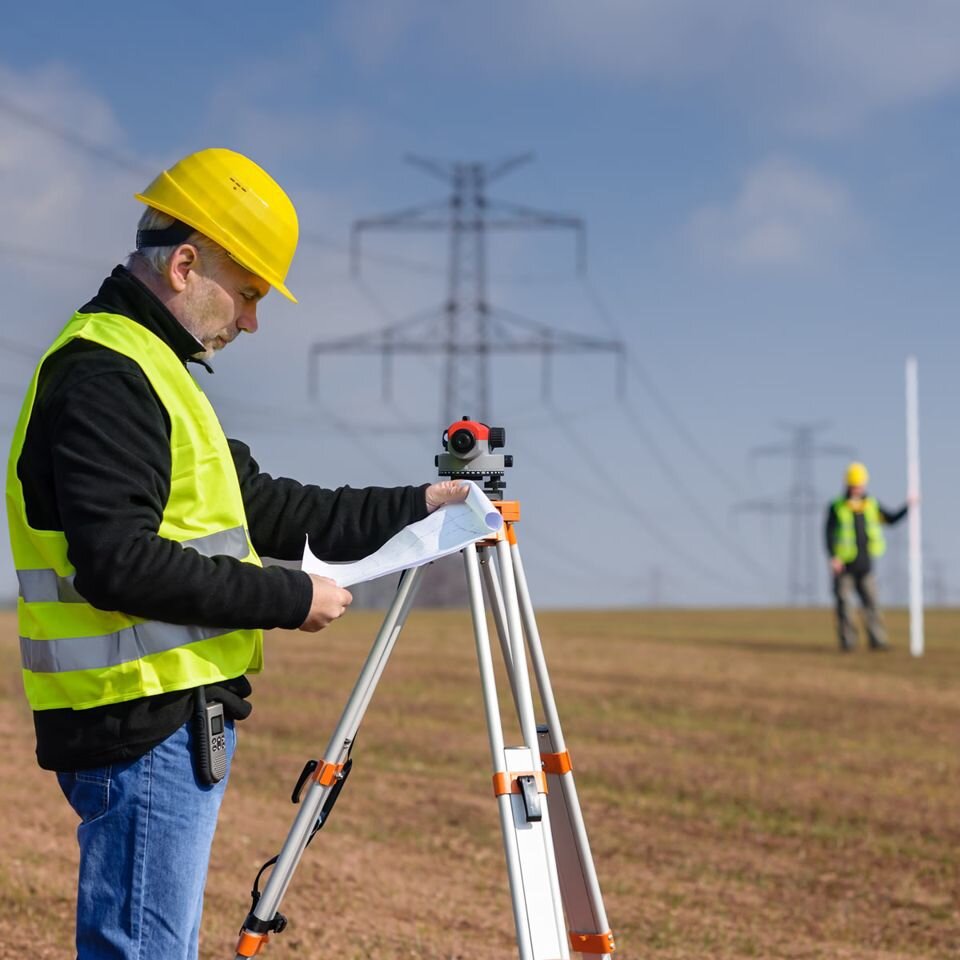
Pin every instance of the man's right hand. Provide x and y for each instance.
(836, 564)
(329, 603)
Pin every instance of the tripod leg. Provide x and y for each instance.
(524, 820)
(580, 888)
(491, 584)
(264, 919)
(518, 661)
(495, 597)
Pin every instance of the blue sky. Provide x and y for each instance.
(770, 197)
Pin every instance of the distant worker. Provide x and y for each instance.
(137, 529)
(854, 537)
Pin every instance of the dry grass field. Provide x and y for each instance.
(748, 791)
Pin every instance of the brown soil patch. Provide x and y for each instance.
(748, 793)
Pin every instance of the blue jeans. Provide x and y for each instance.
(145, 834)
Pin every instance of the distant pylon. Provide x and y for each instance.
(802, 504)
(466, 329)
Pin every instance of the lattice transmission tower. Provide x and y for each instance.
(466, 329)
(804, 507)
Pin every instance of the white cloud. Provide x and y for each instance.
(65, 208)
(784, 215)
(821, 67)
(46, 179)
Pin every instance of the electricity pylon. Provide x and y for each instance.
(466, 329)
(802, 504)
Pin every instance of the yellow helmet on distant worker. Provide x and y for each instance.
(235, 203)
(857, 475)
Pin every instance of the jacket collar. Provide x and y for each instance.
(124, 294)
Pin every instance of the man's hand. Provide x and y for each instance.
(446, 491)
(329, 603)
(836, 564)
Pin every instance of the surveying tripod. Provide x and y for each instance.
(549, 864)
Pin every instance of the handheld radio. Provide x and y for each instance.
(211, 739)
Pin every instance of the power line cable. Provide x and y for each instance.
(672, 475)
(428, 269)
(623, 500)
(103, 152)
(556, 548)
(690, 500)
(289, 421)
(333, 422)
(466, 328)
(389, 260)
(646, 381)
(384, 313)
(559, 549)
(71, 137)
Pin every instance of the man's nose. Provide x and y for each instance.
(247, 321)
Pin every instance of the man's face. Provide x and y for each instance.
(220, 302)
(857, 492)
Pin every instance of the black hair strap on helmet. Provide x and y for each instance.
(170, 236)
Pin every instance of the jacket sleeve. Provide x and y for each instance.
(831, 529)
(343, 524)
(110, 454)
(892, 516)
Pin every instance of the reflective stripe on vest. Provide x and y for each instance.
(44, 586)
(76, 655)
(97, 653)
(845, 538)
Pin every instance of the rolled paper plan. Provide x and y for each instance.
(447, 530)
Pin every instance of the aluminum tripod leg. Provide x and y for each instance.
(495, 598)
(580, 890)
(589, 930)
(326, 776)
(549, 865)
(519, 785)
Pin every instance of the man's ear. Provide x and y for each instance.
(183, 261)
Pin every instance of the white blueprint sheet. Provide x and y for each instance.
(445, 531)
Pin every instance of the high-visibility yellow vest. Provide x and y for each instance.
(75, 655)
(845, 536)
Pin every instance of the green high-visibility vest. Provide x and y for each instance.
(845, 536)
(76, 655)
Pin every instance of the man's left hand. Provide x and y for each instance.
(446, 491)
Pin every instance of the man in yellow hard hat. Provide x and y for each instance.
(137, 529)
(855, 537)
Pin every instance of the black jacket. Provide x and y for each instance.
(96, 465)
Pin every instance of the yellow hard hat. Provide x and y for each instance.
(857, 475)
(235, 203)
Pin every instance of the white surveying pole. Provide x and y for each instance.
(913, 516)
